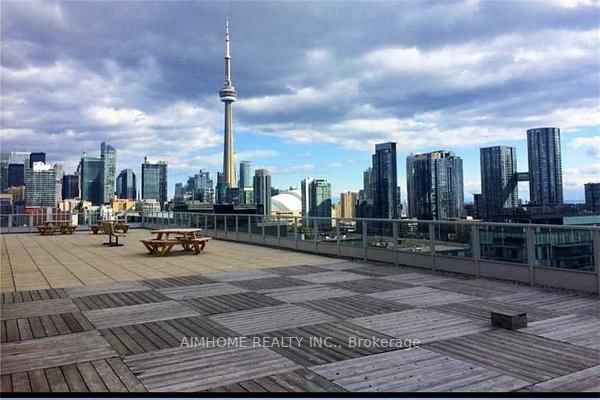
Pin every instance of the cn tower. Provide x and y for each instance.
(228, 95)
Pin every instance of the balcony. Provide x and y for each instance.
(278, 305)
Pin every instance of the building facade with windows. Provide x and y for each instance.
(545, 166)
(385, 181)
(434, 185)
(154, 181)
(127, 185)
(108, 154)
(592, 197)
(320, 201)
(499, 186)
(40, 183)
(91, 179)
(70, 187)
(262, 190)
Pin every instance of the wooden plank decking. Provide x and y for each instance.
(297, 294)
(414, 370)
(91, 319)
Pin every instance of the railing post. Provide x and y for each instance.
(395, 235)
(10, 222)
(225, 224)
(316, 234)
(237, 228)
(365, 240)
(530, 253)
(338, 240)
(30, 223)
(215, 224)
(476, 248)
(596, 239)
(431, 227)
(264, 237)
(249, 226)
(278, 232)
(296, 231)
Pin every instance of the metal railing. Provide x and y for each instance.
(547, 255)
(19, 223)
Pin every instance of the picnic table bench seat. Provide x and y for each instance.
(45, 229)
(69, 229)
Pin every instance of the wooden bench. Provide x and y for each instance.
(109, 230)
(120, 227)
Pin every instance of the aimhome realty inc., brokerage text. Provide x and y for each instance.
(296, 341)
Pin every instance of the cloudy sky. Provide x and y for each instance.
(319, 83)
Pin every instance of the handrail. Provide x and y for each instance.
(401, 220)
(555, 255)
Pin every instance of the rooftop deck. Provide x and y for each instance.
(78, 316)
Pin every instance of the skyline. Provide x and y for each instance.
(479, 89)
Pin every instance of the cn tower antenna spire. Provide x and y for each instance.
(228, 95)
(227, 55)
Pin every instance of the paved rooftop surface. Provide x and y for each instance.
(31, 261)
(90, 318)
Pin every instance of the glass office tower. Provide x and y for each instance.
(154, 181)
(499, 188)
(385, 181)
(545, 169)
(435, 185)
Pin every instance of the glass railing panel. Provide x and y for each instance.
(195, 220)
(326, 231)
(256, 224)
(270, 225)
(453, 239)
(380, 234)
(564, 248)
(292, 227)
(413, 237)
(220, 220)
(306, 229)
(210, 222)
(243, 223)
(286, 227)
(503, 243)
(230, 223)
(20, 221)
(350, 232)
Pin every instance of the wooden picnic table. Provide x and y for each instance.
(50, 226)
(167, 238)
